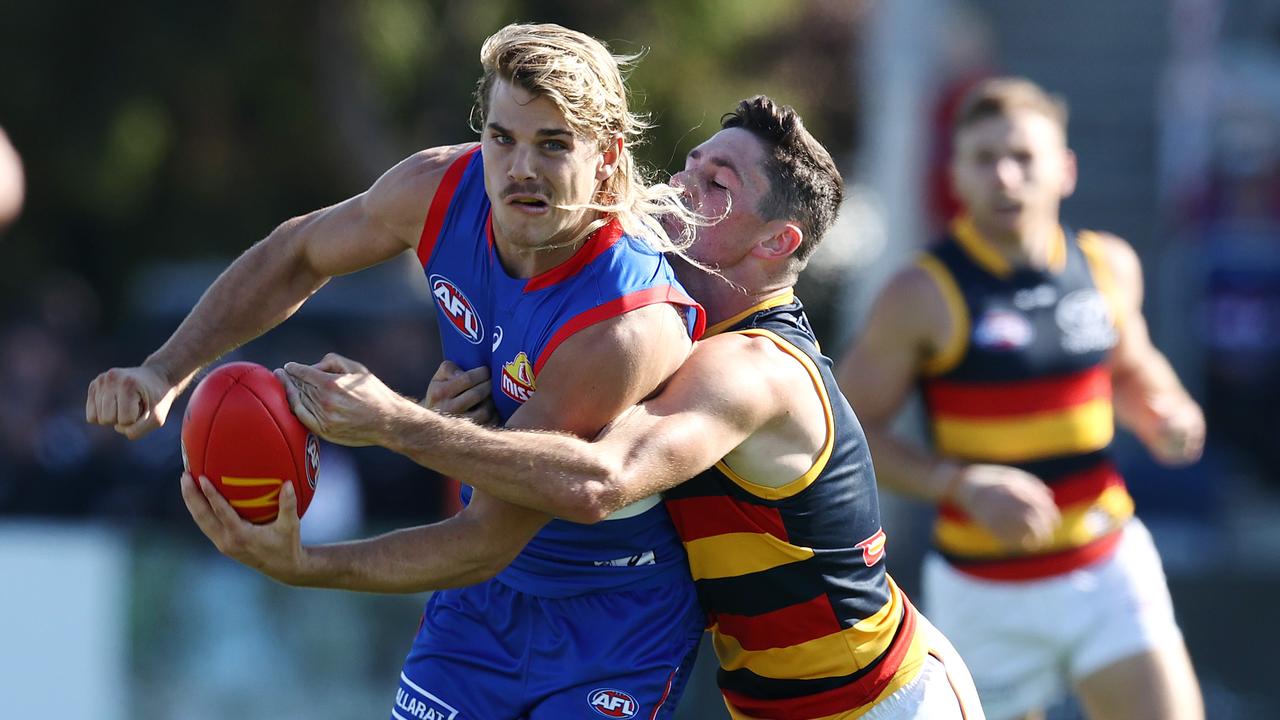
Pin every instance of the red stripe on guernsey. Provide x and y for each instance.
(1067, 490)
(1072, 489)
(1002, 399)
(440, 206)
(789, 626)
(618, 306)
(847, 697)
(700, 517)
(595, 246)
(1043, 566)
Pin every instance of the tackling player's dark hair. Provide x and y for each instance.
(804, 184)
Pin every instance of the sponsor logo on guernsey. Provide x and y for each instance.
(1003, 330)
(613, 703)
(312, 460)
(457, 308)
(415, 703)
(872, 548)
(497, 338)
(1085, 321)
(517, 379)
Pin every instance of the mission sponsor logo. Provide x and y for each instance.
(613, 703)
(457, 309)
(517, 379)
(872, 548)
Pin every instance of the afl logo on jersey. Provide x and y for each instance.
(1085, 321)
(613, 703)
(457, 308)
(517, 379)
(1003, 330)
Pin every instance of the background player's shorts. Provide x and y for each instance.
(1026, 642)
(488, 652)
(942, 691)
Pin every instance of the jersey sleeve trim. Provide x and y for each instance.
(785, 297)
(1095, 256)
(952, 352)
(616, 307)
(440, 203)
(820, 462)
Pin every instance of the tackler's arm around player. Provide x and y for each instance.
(341, 400)
(698, 418)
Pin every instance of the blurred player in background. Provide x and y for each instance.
(781, 518)
(1027, 341)
(542, 253)
(12, 185)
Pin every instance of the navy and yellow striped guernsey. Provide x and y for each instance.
(805, 620)
(1023, 381)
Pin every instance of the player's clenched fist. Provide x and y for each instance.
(133, 400)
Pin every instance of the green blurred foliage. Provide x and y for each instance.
(171, 131)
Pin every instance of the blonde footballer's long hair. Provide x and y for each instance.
(586, 82)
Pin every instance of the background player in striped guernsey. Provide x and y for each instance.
(1026, 339)
(780, 518)
(542, 229)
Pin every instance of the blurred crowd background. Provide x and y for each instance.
(159, 140)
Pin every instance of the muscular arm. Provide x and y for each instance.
(1148, 397)
(469, 547)
(590, 379)
(268, 283)
(907, 324)
(701, 416)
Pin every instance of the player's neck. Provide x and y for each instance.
(522, 258)
(724, 297)
(1034, 245)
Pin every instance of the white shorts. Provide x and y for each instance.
(1027, 642)
(942, 691)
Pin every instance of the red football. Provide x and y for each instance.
(239, 432)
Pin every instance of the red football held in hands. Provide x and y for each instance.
(239, 432)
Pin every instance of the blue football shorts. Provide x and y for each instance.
(489, 652)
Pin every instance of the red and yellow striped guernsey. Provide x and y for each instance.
(1023, 381)
(806, 622)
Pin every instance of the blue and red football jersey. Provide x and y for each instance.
(513, 325)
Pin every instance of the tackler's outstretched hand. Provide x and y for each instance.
(133, 400)
(341, 401)
(273, 549)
